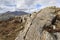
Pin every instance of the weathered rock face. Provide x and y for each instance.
(35, 26)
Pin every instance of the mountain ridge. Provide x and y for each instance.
(39, 25)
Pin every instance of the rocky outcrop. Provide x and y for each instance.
(42, 25)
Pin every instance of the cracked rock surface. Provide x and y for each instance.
(35, 26)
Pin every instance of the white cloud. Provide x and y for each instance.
(7, 5)
(26, 5)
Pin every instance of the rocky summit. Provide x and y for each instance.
(41, 25)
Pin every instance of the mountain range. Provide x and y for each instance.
(7, 15)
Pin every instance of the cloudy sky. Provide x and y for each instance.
(26, 5)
